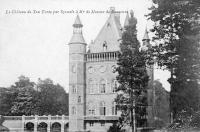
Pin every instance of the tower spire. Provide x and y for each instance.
(146, 36)
(77, 22)
(77, 32)
(145, 41)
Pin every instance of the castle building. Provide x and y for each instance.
(92, 82)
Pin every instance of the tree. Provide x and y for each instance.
(132, 77)
(24, 101)
(52, 99)
(27, 98)
(6, 99)
(177, 49)
(161, 106)
(115, 128)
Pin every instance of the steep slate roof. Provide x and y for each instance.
(110, 33)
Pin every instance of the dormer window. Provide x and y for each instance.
(105, 46)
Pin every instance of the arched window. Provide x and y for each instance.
(73, 110)
(91, 108)
(74, 90)
(105, 46)
(91, 86)
(114, 109)
(114, 86)
(102, 108)
(79, 99)
(102, 86)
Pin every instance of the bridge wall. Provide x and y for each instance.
(13, 125)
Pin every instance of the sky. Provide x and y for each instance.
(35, 43)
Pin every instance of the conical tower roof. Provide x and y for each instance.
(77, 22)
(146, 36)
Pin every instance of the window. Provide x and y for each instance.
(114, 109)
(91, 86)
(114, 86)
(102, 86)
(79, 99)
(102, 108)
(91, 109)
(105, 46)
(74, 68)
(102, 123)
(74, 89)
(73, 110)
(91, 123)
(113, 68)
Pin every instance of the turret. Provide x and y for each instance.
(146, 41)
(77, 50)
(77, 32)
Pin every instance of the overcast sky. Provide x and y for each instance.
(35, 44)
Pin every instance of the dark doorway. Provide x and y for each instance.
(56, 127)
(29, 127)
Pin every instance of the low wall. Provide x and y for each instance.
(13, 125)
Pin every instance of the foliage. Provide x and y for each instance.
(132, 78)
(23, 97)
(28, 98)
(52, 98)
(161, 112)
(115, 128)
(177, 49)
(6, 99)
(186, 121)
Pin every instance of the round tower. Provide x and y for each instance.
(77, 50)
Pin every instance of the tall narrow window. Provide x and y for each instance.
(114, 86)
(79, 99)
(102, 108)
(91, 108)
(91, 86)
(73, 110)
(102, 86)
(114, 109)
(105, 46)
(74, 90)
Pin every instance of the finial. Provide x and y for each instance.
(77, 22)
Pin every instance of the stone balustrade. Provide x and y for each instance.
(103, 56)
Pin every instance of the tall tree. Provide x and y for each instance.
(6, 99)
(132, 78)
(52, 99)
(24, 101)
(177, 49)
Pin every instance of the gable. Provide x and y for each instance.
(108, 38)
